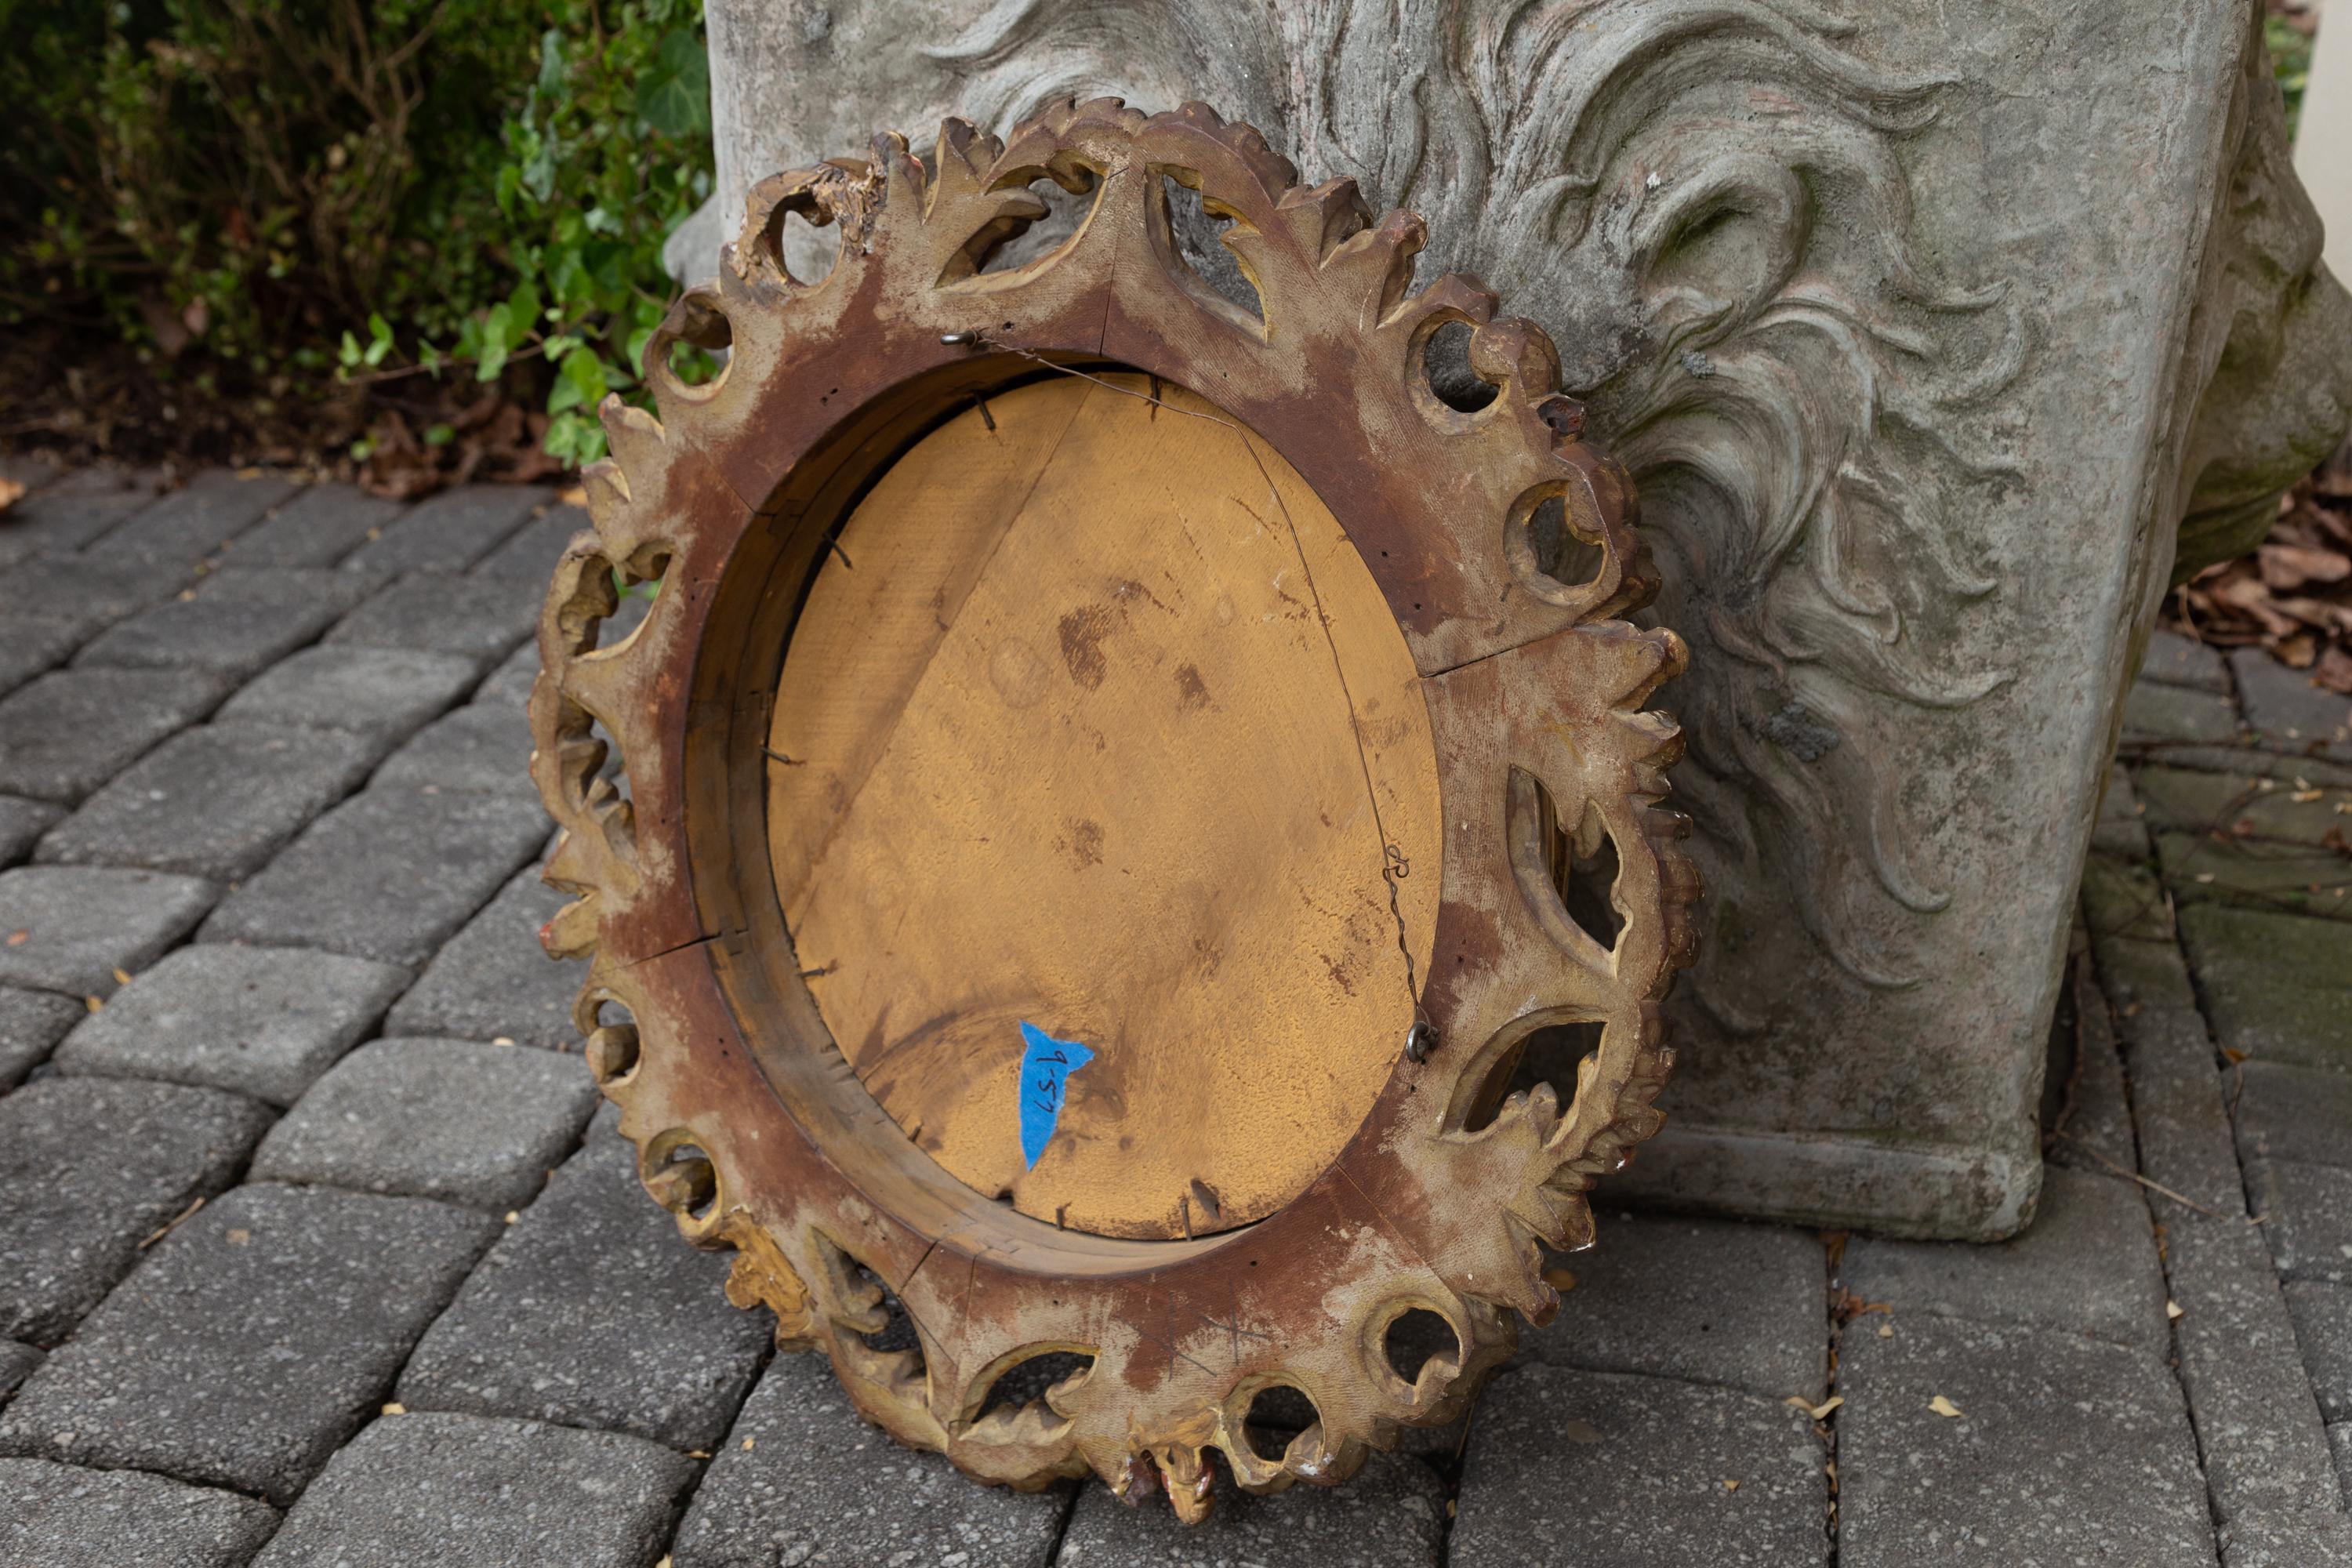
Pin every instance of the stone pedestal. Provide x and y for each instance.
(1935, 337)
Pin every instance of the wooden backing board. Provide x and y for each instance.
(1098, 722)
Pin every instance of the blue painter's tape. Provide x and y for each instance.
(1046, 1065)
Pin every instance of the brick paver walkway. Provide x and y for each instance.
(313, 1248)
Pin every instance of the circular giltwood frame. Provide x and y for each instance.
(750, 1126)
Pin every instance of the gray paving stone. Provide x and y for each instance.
(81, 923)
(93, 1168)
(2090, 1128)
(235, 623)
(59, 1516)
(2339, 1439)
(425, 1489)
(2292, 1113)
(86, 592)
(528, 559)
(67, 733)
(820, 1489)
(481, 746)
(2323, 1329)
(433, 1118)
(1632, 1471)
(57, 521)
(196, 522)
(552, 1325)
(1391, 1514)
(2120, 827)
(493, 981)
(16, 1364)
(2066, 1451)
(2287, 709)
(35, 644)
(31, 1023)
(2256, 874)
(2307, 1215)
(511, 681)
(385, 694)
(2154, 713)
(2176, 660)
(450, 532)
(22, 822)
(253, 1340)
(2243, 758)
(2274, 984)
(2086, 1263)
(2204, 803)
(1745, 1306)
(262, 1021)
(2265, 1449)
(215, 801)
(2313, 1539)
(388, 875)
(476, 618)
(317, 526)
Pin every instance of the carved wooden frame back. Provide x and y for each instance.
(750, 1124)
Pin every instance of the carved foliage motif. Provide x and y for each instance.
(1444, 1200)
(1707, 199)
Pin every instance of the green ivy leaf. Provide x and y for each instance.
(673, 91)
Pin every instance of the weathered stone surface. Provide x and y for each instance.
(2292, 1113)
(2273, 984)
(387, 875)
(2087, 1263)
(2265, 1449)
(2307, 1213)
(481, 746)
(2066, 1449)
(81, 923)
(2339, 1439)
(433, 1118)
(382, 693)
(215, 801)
(2323, 1329)
(1889, 826)
(1745, 1306)
(31, 1023)
(16, 1364)
(528, 559)
(511, 681)
(553, 1325)
(318, 528)
(1391, 1514)
(234, 622)
(86, 592)
(2286, 1541)
(254, 1338)
(796, 1482)
(92, 1168)
(2288, 709)
(63, 736)
(493, 981)
(450, 532)
(35, 644)
(2153, 712)
(1633, 1471)
(60, 520)
(2259, 874)
(476, 619)
(59, 1516)
(194, 522)
(261, 1021)
(423, 1488)
(2176, 661)
(22, 822)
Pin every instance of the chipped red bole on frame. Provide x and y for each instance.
(750, 1124)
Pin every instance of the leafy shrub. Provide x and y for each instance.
(276, 193)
